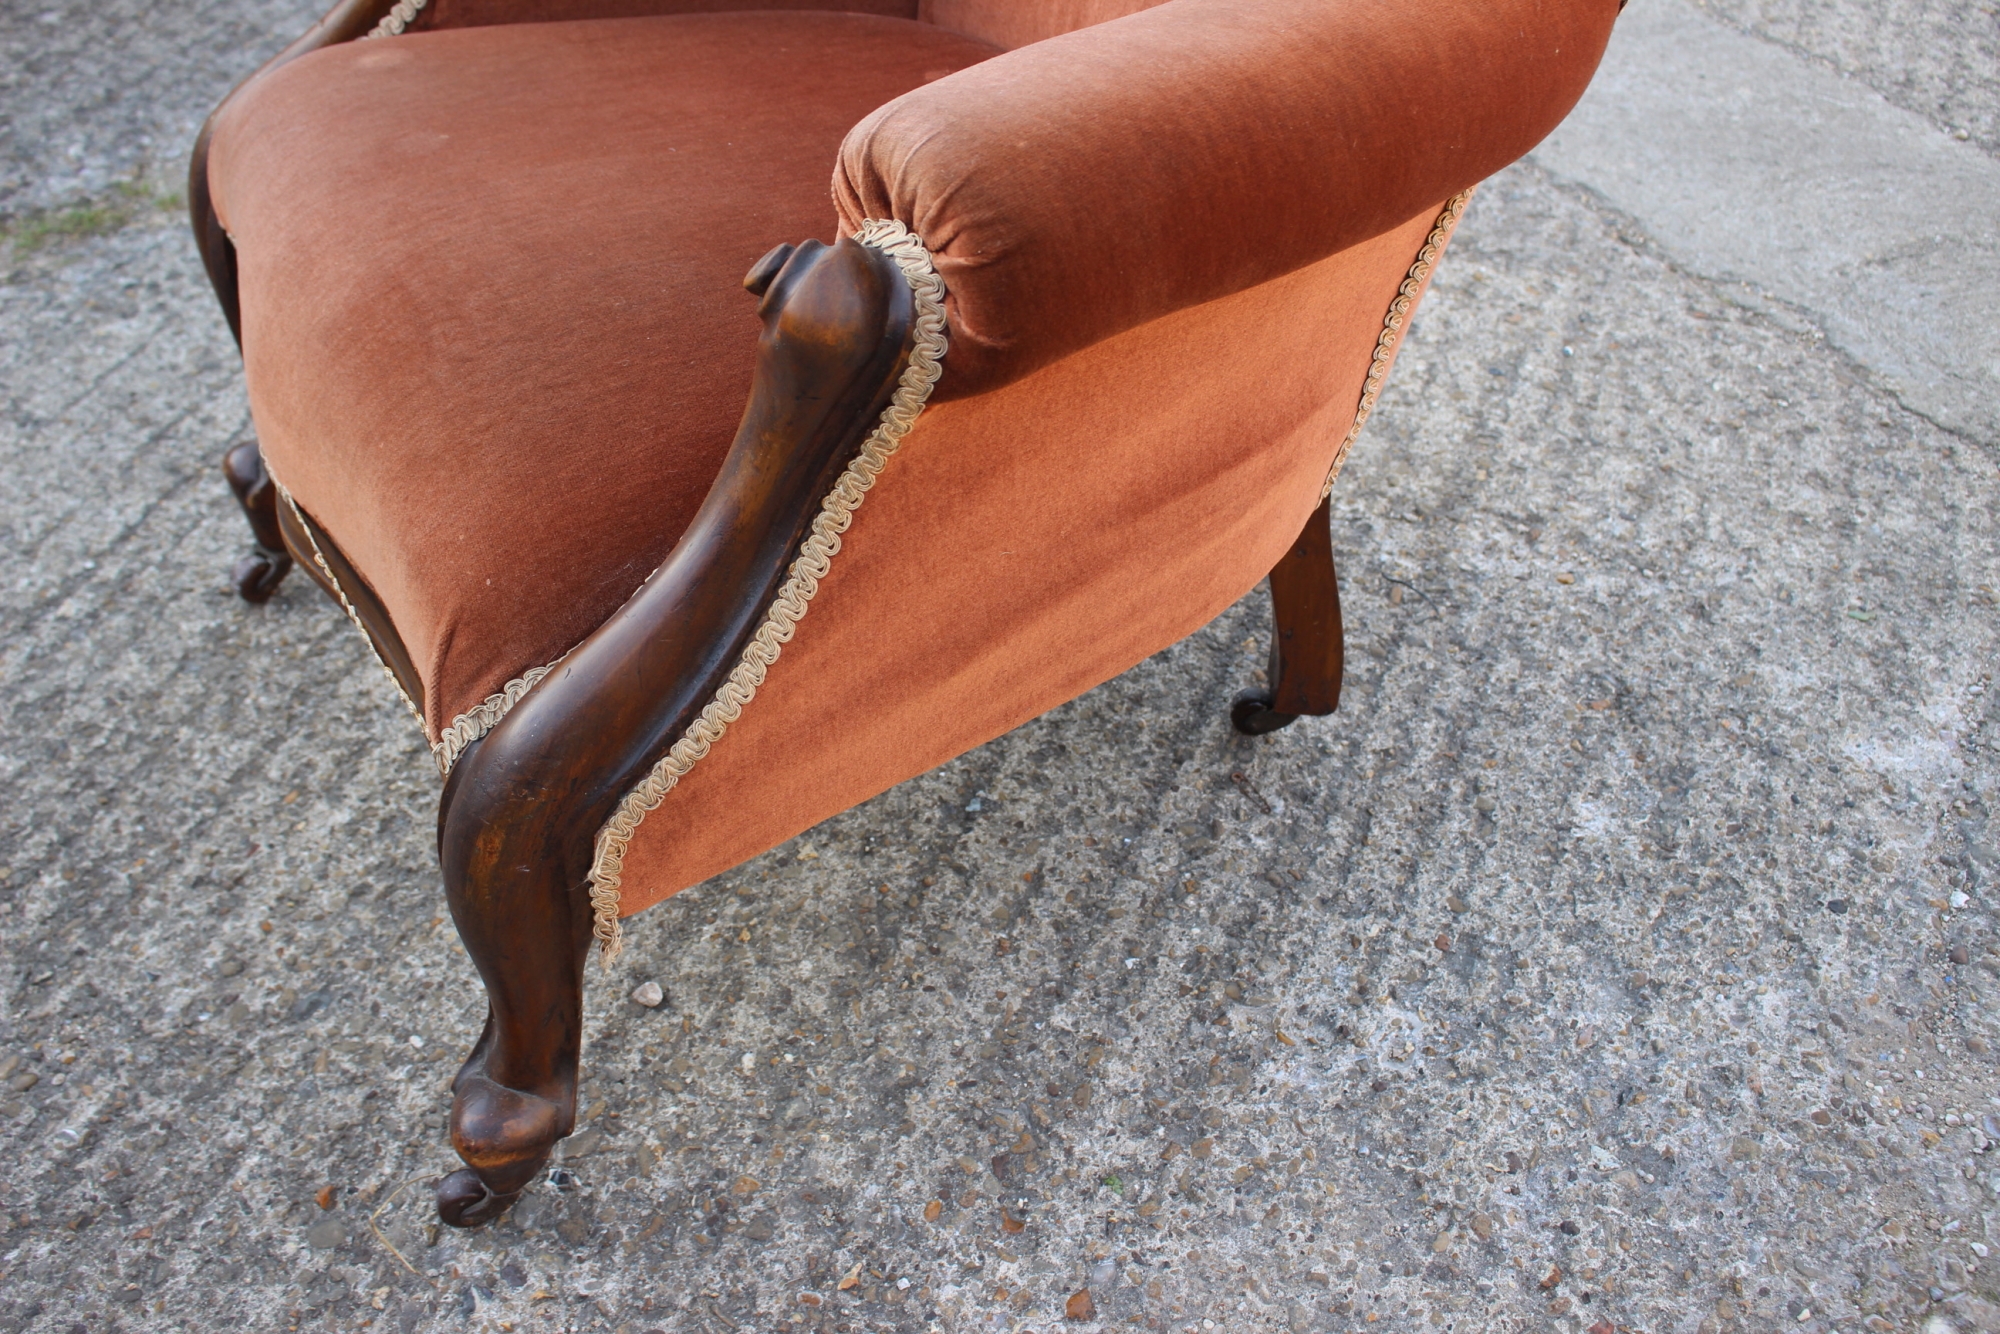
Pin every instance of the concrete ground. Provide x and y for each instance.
(1621, 957)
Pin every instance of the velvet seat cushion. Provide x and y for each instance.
(493, 329)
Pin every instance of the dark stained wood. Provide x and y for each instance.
(523, 806)
(764, 271)
(1307, 650)
(260, 570)
(521, 811)
(1307, 653)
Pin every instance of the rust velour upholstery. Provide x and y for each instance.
(493, 327)
(1012, 23)
(1196, 148)
(1032, 542)
(473, 13)
(496, 346)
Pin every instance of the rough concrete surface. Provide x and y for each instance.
(1870, 221)
(1622, 956)
(1938, 58)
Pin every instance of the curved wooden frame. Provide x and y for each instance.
(523, 806)
(522, 809)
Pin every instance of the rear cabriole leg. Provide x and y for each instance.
(261, 569)
(1307, 654)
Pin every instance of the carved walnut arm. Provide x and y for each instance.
(524, 804)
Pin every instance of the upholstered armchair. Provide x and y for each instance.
(1101, 295)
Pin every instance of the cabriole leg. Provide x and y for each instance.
(261, 569)
(1306, 649)
(528, 933)
(524, 805)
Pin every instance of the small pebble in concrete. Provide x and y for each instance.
(649, 994)
(326, 1234)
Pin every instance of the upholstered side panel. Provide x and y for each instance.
(1012, 23)
(493, 327)
(481, 13)
(1029, 543)
(1090, 182)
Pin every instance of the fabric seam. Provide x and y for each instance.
(467, 727)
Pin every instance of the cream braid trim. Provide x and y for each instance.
(400, 16)
(483, 717)
(794, 597)
(319, 559)
(1392, 327)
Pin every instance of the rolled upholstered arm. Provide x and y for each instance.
(1083, 185)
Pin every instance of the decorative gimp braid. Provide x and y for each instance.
(326, 572)
(482, 718)
(400, 16)
(815, 558)
(1392, 327)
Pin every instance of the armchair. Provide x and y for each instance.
(1105, 293)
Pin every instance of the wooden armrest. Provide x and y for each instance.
(523, 806)
(838, 328)
(522, 810)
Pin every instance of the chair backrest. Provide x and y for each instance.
(1005, 23)
(1012, 23)
(483, 13)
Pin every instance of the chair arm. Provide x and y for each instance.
(1083, 185)
(529, 798)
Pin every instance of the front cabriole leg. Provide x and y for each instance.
(523, 805)
(528, 932)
